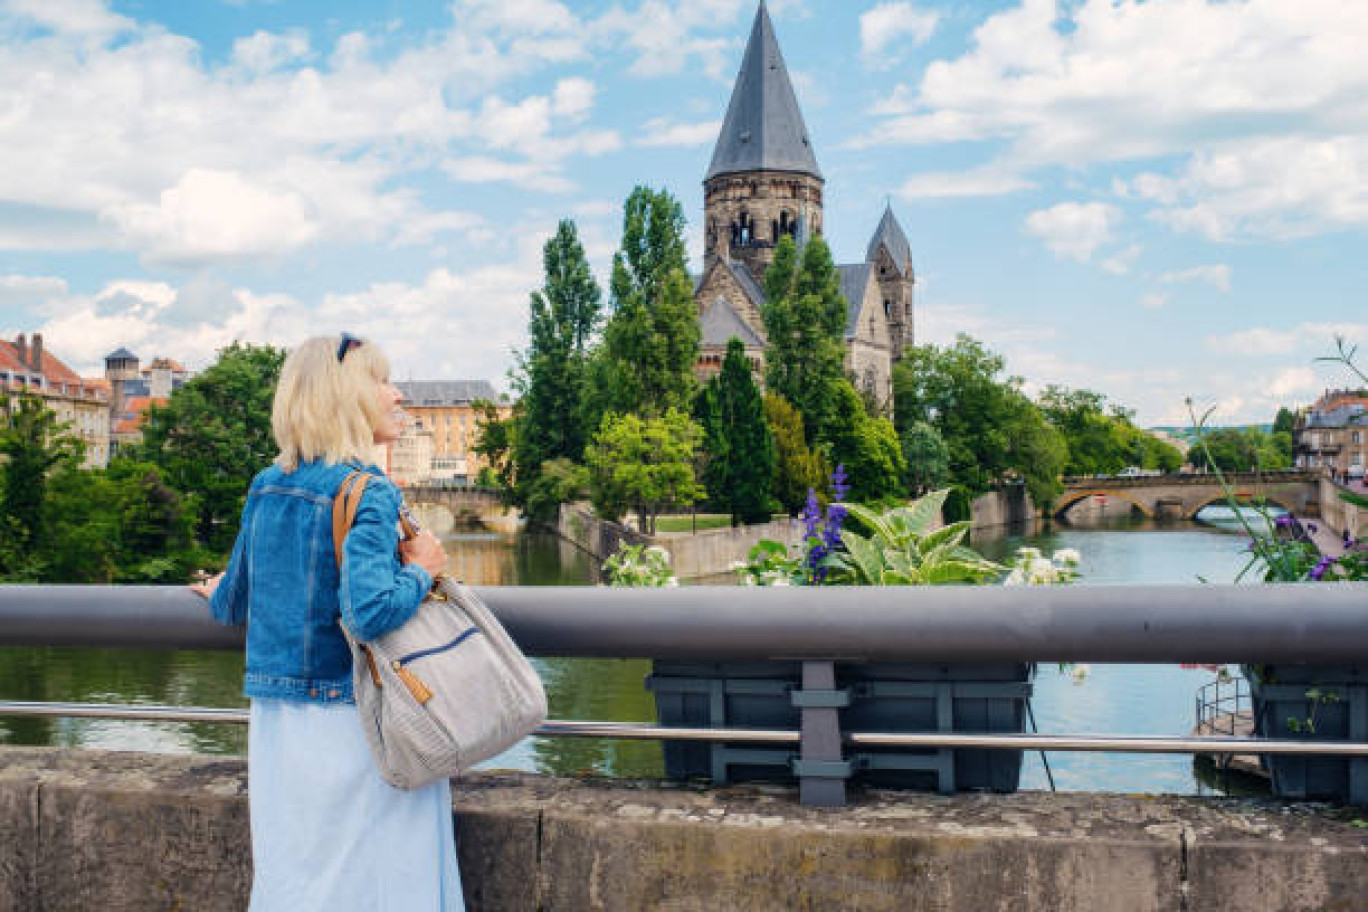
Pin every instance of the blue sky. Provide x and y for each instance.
(1154, 200)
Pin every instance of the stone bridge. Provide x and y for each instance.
(440, 507)
(1183, 496)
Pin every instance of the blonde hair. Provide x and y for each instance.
(325, 409)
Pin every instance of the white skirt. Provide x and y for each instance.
(328, 833)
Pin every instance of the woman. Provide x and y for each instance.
(327, 832)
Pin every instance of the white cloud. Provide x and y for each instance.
(1294, 382)
(891, 24)
(661, 131)
(1310, 339)
(979, 182)
(1154, 300)
(71, 17)
(1196, 81)
(1074, 230)
(1217, 275)
(1121, 263)
(573, 98)
(215, 214)
(530, 175)
(263, 51)
(18, 291)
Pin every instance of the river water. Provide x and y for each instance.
(1114, 699)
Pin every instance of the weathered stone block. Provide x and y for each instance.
(19, 839)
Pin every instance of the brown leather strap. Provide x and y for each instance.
(345, 505)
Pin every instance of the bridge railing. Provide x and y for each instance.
(1317, 624)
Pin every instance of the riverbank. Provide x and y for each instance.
(125, 831)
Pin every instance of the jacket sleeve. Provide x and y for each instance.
(228, 604)
(375, 597)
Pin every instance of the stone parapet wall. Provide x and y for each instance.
(124, 831)
(692, 555)
(1343, 517)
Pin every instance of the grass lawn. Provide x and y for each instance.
(686, 523)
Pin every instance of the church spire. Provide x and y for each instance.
(764, 129)
(890, 236)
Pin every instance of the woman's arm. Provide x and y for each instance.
(376, 599)
(227, 592)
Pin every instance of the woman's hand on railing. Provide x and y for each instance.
(207, 587)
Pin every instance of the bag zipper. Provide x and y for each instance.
(420, 691)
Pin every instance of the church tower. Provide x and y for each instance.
(891, 256)
(764, 181)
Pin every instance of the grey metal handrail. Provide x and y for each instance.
(641, 732)
(1204, 624)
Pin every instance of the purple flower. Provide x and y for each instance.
(1283, 521)
(839, 488)
(1318, 571)
(811, 515)
(1311, 527)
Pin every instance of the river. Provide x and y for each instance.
(1114, 699)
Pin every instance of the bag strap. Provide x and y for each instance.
(345, 504)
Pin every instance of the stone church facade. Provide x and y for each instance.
(764, 183)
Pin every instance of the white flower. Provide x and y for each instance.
(672, 583)
(1028, 553)
(780, 581)
(1080, 673)
(1040, 568)
(1015, 578)
(656, 549)
(1068, 557)
(737, 565)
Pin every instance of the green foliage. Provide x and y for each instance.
(1103, 440)
(805, 318)
(123, 524)
(902, 549)
(927, 458)
(557, 481)
(215, 434)
(650, 343)
(550, 374)
(992, 431)
(740, 470)
(1241, 450)
(797, 468)
(494, 441)
(643, 464)
(33, 443)
(1285, 422)
(867, 447)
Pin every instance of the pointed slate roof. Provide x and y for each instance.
(854, 279)
(764, 129)
(721, 322)
(890, 235)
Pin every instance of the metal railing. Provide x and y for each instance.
(818, 627)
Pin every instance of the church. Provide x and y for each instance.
(764, 183)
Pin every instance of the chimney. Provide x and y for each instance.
(21, 346)
(37, 362)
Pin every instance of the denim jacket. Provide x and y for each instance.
(282, 581)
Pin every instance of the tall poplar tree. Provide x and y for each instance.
(551, 375)
(805, 319)
(650, 342)
(749, 451)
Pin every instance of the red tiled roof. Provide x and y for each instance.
(135, 413)
(53, 367)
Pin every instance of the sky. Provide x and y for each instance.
(1154, 200)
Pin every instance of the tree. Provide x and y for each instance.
(1103, 440)
(645, 465)
(867, 447)
(215, 434)
(748, 448)
(992, 431)
(650, 342)
(551, 374)
(1239, 450)
(495, 440)
(927, 458)
(33, 443)
(548, 424)
(1285, 422)
(805, 319)
(711, 460)
(123, 524)
(797, 467)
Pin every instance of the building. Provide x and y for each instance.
(764, 183)
(446, 410)
(409, 460)
(1333, 434)
(133, 389)
(82, 405)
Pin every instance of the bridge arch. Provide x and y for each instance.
(1071, 498)
(1221, 499)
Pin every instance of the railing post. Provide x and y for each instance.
(821, 770)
